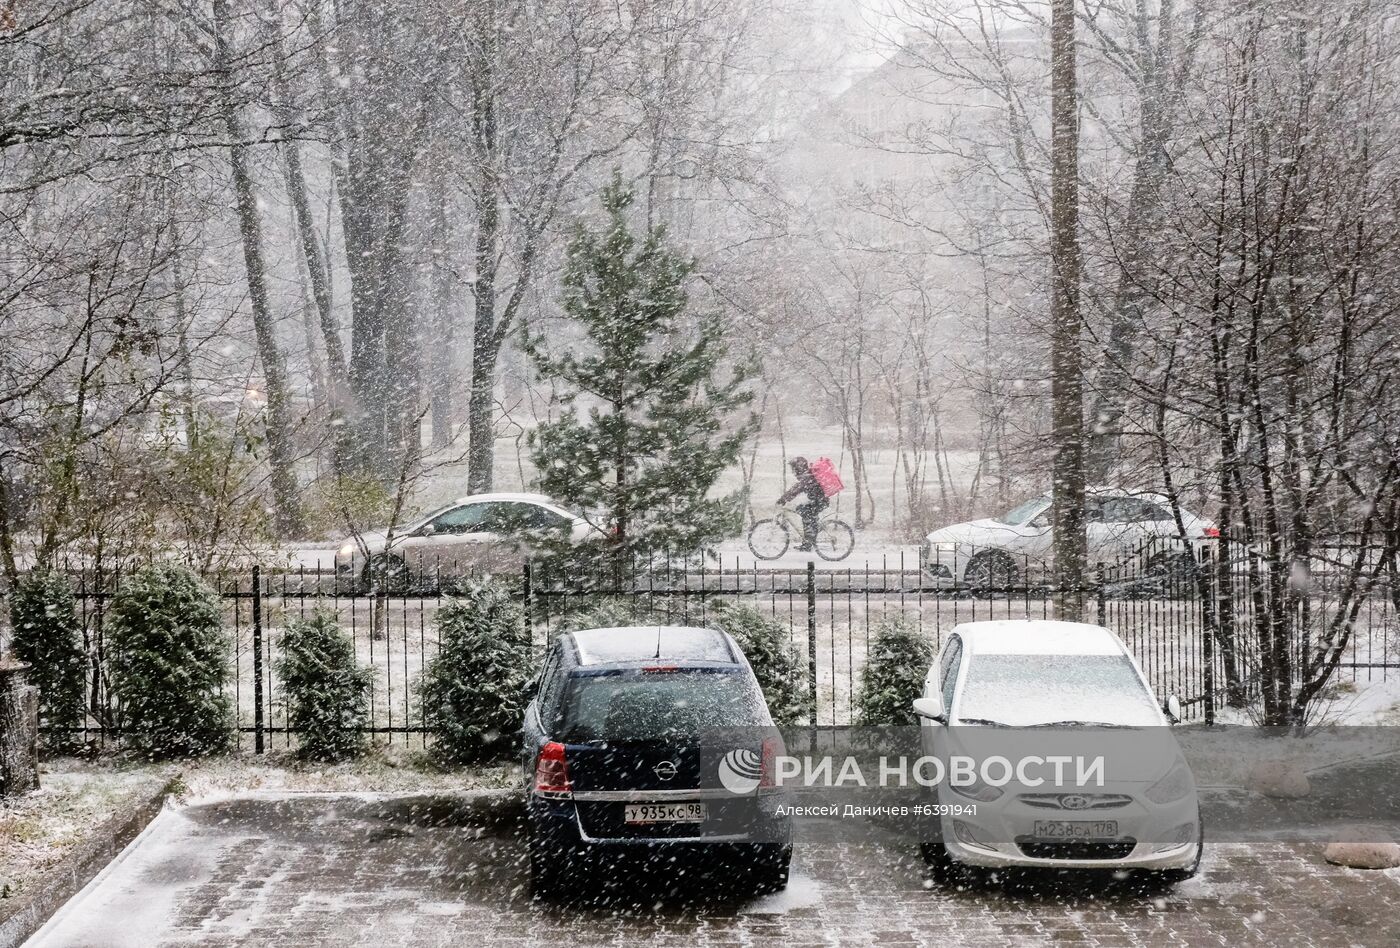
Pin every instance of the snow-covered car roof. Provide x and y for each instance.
(1099, 490)
(651, 642)
(1037, 637)
(502, 497)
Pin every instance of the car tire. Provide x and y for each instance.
(990, 572)
(1173, 574)
(390, 572)
(769, 870)
(941, 866)
(1168, 877)
(549, 871)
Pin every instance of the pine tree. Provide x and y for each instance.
(48, 637)
(644, 428)
(169, 662)
(473, 692)
(327, 692)
(894, 674)
(767, 644)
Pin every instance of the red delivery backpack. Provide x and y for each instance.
(825, 473)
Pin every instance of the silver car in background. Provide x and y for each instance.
(479, 532)
(1011, 549)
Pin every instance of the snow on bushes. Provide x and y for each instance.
(893, 675)
(473, 693)
(168, 659)
(327, 692)
(767, 644)
(48, 636)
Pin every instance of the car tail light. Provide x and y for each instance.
(660, 669)
(768, 769)
(552, 771)
(1211, 533)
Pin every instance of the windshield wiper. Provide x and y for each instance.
(987, 721)
(1079, 724)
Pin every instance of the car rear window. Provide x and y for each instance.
(637, 704)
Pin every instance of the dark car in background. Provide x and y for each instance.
(652, 745)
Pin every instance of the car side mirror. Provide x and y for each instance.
(930, 709)
(1172, 709)
(532, 686)
(427, 530)
(1040, 522)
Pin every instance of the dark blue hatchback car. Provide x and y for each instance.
(652, 743)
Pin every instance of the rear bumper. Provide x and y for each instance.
(566, 822)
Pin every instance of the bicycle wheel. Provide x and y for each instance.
(768, 539)
(835, 539)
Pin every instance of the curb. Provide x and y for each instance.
(55, 887)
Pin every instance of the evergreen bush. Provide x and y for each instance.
(48, 636)
(169, 660)
(767, 644)
(893, 675)
(609, 614)
(473, 693)
(327, 693)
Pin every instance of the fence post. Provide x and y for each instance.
(1210, 624)
(1100, 594)
(812, 645)
(525, 593)
(257, 662)
(19, 730)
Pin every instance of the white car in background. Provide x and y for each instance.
(1004, 551)
(480, 532)
(1036, 688)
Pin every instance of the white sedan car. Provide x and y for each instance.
(1032, 690)
(478, 532)
(1004, 551)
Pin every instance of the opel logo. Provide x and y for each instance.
(666, 770)
(1074, 801)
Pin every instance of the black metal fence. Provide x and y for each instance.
(1166, 616)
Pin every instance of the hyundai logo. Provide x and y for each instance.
(666, 770)
(1074, 801)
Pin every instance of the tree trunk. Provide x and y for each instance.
(285, 490)
(442, 355)
(19, 731)
(312, 252)
(481, 408)
(1067, 384)
(1161, 91)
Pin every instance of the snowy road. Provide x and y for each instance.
(420, 871)
(730, 557)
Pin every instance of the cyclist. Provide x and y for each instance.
(811, 510)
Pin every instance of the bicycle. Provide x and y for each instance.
(770, 538)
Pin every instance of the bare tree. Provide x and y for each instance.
(1066, 330)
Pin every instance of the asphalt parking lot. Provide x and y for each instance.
(313, 870)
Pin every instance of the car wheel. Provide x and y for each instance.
(1168, 877)
(941, 866)
(1174, 572)
(385, 572)
(768, 868)
(549, 871)
(990, 572)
